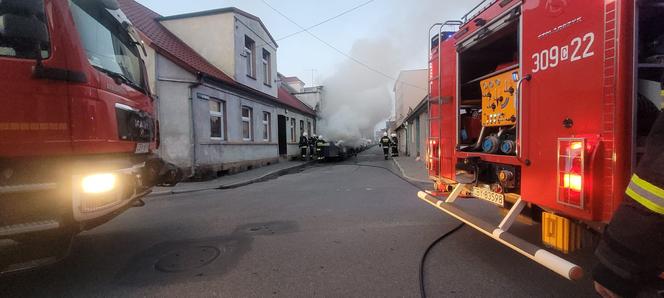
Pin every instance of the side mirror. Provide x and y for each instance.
(22, 7)
(26, 30)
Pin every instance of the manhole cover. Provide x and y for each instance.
(187, 258)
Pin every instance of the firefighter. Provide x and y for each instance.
(304, 145)
(631, 253)
(395, 145)
(320, 143)
(385, 142)
(312, 146)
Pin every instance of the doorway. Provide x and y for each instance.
(281, 135)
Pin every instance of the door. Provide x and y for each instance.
(281, 135)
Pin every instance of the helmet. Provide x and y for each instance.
(394, 135)
(305, 134)
(385, 134)
(320, 137)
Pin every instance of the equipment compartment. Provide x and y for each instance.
(488, 76)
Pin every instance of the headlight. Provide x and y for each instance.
(98, 183)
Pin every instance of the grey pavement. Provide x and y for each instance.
(232, 181)
(350, 229)
(412, 168)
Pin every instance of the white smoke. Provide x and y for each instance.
(356, 98)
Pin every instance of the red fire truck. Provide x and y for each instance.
(77, 127)
(543, 105)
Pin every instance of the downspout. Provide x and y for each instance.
(192, 123)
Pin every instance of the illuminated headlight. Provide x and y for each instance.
(98, 183)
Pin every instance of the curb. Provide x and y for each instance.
(264, 177)
(403, 173)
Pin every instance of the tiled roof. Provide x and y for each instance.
(292, 79)
(166, 43)
(169, 45)
(289, 99)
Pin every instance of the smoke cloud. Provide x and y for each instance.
(356, 98)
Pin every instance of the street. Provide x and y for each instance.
(332, 230)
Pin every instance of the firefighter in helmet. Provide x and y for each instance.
(385, 142)
(320, 143)
(631, 253)
(395, 145)
(304, 145)
(312, 146)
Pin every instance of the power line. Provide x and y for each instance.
(326, 20)
(338, 50)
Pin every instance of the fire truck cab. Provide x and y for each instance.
(77, 125)
(543, 105)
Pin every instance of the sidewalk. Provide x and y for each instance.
(412, 169)
(232, 181)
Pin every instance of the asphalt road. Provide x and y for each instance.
(331, 230)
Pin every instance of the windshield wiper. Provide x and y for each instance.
(122, 78)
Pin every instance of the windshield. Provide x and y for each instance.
(23, 32)
(107, 43)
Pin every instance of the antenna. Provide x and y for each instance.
(313, 72)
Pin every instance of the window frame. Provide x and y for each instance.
(267, 68)
(293, 129)
(301, 128)
(267, 126)
(249, 120)
(250, 56)
(222, 119)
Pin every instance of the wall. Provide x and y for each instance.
(253, 29)
(174, 112)
(312, 97)
(233, 149)
(210, 36)
(406, 92)
(293, 147)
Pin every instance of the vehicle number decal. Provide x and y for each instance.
(580, 47)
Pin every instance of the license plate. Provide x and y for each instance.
(142, 148)
(487, 195)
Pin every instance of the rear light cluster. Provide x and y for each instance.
(571, 171)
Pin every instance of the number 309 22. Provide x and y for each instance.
(581, 48)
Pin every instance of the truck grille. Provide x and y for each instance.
(134, 125)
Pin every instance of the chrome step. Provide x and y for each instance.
(35, 226)
(8, 189)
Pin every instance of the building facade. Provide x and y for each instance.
(409, 90)
(212, 123)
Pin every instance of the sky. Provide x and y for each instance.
(298, 55)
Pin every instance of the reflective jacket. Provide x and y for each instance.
(304, 142)
(631, 252)
(385, 141)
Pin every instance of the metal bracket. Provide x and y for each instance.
(511, 216)
(455, 193)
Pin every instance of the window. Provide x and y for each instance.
(247, 127)
(217, 122)
(301, 127)
(20, 43)
(267, 68)
(292, 130)
(309, 127)
(250, 54)
(267, 126)
(107, 43)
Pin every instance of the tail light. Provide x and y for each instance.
(571, 171)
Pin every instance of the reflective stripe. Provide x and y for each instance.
(647, 194)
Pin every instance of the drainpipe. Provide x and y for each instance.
(192, 123)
